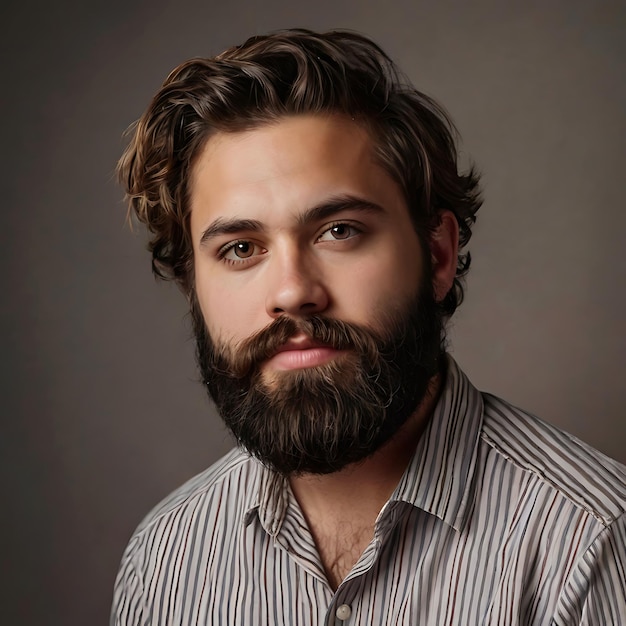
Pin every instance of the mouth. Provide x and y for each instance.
(300, 353)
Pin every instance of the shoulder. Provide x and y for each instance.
(587, 478)
(202, 517)
(225, 486)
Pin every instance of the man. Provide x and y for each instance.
(308, 204)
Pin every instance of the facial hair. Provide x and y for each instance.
(320, 419)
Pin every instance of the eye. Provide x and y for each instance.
(339, 232)
(242, 249)
(239, 251)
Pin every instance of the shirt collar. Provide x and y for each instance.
(266, 497)
(438, 478)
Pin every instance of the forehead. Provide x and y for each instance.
(284, 168)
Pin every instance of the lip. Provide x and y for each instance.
(299, 343)
(300, 353)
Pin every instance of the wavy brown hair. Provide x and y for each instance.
(289, 73)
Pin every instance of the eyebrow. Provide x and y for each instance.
(325, 210)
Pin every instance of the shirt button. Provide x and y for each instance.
(343, 612)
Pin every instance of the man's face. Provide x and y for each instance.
(297, 218)
(298, 230)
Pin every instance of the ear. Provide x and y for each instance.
(444, 249)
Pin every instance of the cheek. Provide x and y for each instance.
(376, 288)
(229, 314)
(393, 276)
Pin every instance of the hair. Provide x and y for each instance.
(284, 74)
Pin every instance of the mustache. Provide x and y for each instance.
(244, 358)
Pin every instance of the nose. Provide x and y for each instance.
(296, 285)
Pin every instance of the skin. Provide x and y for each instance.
(296, 218)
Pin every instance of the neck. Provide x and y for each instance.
(364, 487)
(341, 508)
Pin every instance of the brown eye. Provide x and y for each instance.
(240, 251)
(341, 231)
(243, 249)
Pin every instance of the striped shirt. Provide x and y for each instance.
(499, 519)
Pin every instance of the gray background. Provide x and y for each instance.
(102, 415)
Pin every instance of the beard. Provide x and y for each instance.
(320, 419)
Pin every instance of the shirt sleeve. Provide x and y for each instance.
(128, 602)
(595, 593)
